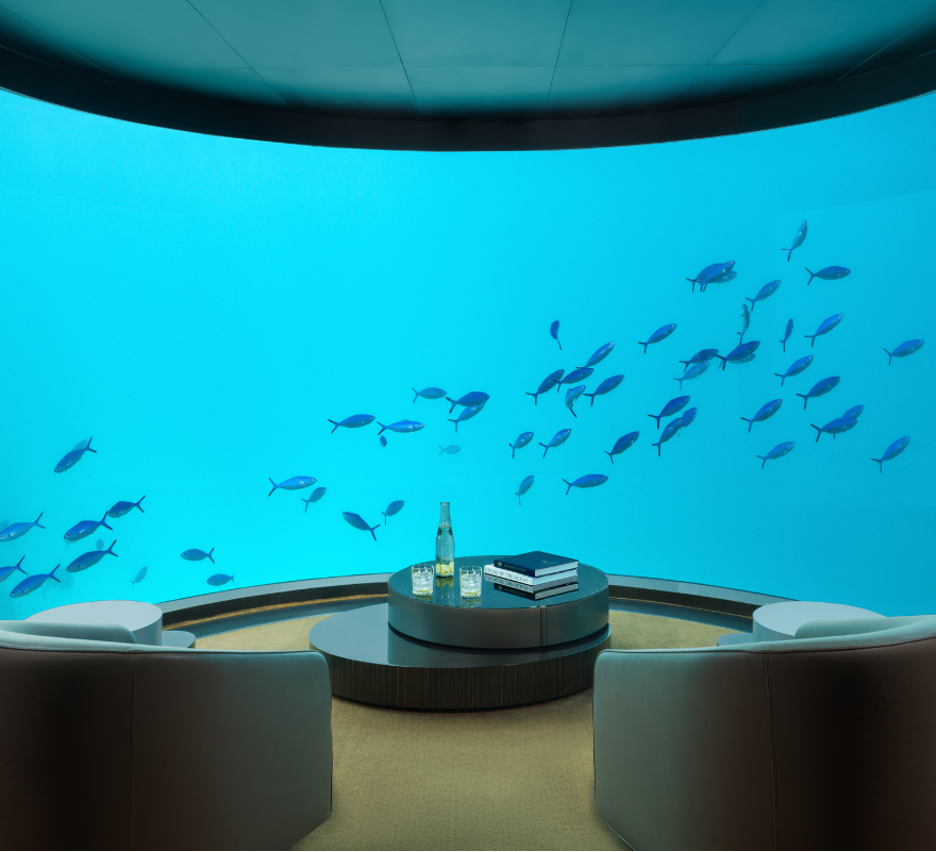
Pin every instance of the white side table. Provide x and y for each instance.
(782, 620)
(143, 620)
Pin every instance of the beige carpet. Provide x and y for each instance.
(498, 779)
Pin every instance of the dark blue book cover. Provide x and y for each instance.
(536, 563)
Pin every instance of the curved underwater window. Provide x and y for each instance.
(261, 338)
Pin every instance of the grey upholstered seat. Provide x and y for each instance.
(112, 745)
(826, 741)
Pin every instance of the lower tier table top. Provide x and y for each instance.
(371, 662)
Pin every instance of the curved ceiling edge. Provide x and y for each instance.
(34, 79)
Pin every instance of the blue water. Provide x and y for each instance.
(204, 306)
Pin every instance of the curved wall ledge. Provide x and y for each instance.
(219, 612)
(26, 76)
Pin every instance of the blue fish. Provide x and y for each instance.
(474, 399)
(355, 421)
(359, 523)
(835, 427)
(294, 483)
(428, 393)
(220, 579)
(392, 509)
(669, 430)
(891, 452)
(451, 449)
(600, 354)
(524, 487)
(559, 438)
(84, 528)
(196, 555)
(671, 407)
(314, 497)
(795, 368)
(139, 577)
(768, 409)
(701, 357)
(745, 321)
(661, 333)
(70, 459)
(92, 557)
(820, 388)
(854, 412)
(33, 582)
(786, 336)
(606, 386)
(9, 569)
(547, 384)
(693, 372)
(573, 394)
(383, 440)
(16, 530)
(574, 377)
(908, 347)
(121, 507)
(777, 452)
(741, 354)
(402, 426)
(767, 290)
(466, 414)
(687, 419)
(824, 328)
(830, 273)
(714, 274)
(625, 442)
(554, 332)
(797, 242)
(523, 439)
(590, 480)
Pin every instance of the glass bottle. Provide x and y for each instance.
(445, 548)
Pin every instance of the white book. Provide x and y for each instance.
(492, 572)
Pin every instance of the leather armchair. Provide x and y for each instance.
(112, 745)
(825, 741)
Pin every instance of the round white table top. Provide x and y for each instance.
(134, 615)
(782, 620)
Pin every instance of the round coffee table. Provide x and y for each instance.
(405, 653)
(781, 620)
(143, 620)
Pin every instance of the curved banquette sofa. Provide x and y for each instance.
(112, 745)
(824, 741)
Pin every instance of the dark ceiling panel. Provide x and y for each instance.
(480, 33)
(469, 74)
(921, 39)
(158, 33)
(18, 34)
(344, 90)
(656, 32)
(480, 91)
(720, 83)
(831, 32)
(227, 84)
(304, 34)
(609, 89)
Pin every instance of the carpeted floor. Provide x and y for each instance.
(499, 779)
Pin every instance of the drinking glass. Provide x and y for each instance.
(469, 579)
(423, 575)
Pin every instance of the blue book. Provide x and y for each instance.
(536, 563)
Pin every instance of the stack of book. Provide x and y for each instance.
(534, 575)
